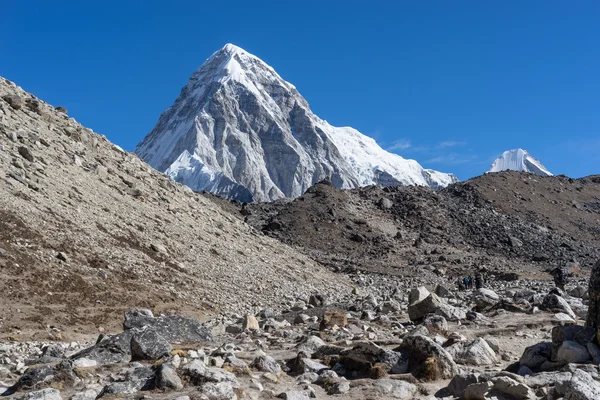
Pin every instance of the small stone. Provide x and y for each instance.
(62, 257)
(61, 109)
(14, 101)
(250, 323)
(337, 387)
(159, 248)
(332, 318)
(26, 153)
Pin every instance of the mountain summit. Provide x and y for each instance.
(240, 131)
(518, 160)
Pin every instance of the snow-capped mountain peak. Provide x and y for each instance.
(519, 160)
(239, 130)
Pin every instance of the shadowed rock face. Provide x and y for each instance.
(593, 319)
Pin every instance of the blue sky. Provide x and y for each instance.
(451, 84)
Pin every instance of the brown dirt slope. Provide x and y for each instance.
(131, 237)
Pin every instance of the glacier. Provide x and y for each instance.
(239, 130)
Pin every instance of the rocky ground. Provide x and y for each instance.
(352, 297)
(509, 222)
(518, 340)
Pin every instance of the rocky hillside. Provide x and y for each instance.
(510, 221)
(88, 230)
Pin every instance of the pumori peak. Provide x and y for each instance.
(239, 130)
(518, 160)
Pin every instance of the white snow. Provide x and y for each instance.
(201, 146)
(518, 160)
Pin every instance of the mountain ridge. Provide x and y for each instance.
(241, 131)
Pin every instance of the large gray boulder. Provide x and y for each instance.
(200, 374)
(419, 309)
(167, 378)
(459, 384)
(516, 390)
(173, 329)
(582, 387)
(547, 379)
(474, 352)
(573, 352)
(109, 349)
(418, 294)
(149, 345)
(34, 376)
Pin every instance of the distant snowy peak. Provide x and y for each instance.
(519, 160)
(239, 130)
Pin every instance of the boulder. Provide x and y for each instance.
(266, 364)
(200, 374)
(442, 291)
(427, 359)
(332, 318)
(26, 153)
(35, 375)
(534, 356)
(556, 303)
(513, 388)
(451, 313)
(137, 318)
(575, 333)
(459, 384)
(308, 365)
(477, 391)
(310, 344)
(487, 293)
(219, 391)
(394, 389)
(149, 345)
(250, 323)
(109, 349)
(336, 386)
(572, 352)
(358, 360)
(582, 387)
(318, 300)
(545, 379)
(418, 294)
(418, 310)
(14, 101)
(579, 292)
(167, 378)
(435, 323)
(119, 389)
(474, 352)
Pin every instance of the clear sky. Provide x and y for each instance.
(451, 84)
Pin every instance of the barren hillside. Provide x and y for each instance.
(88, 230)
